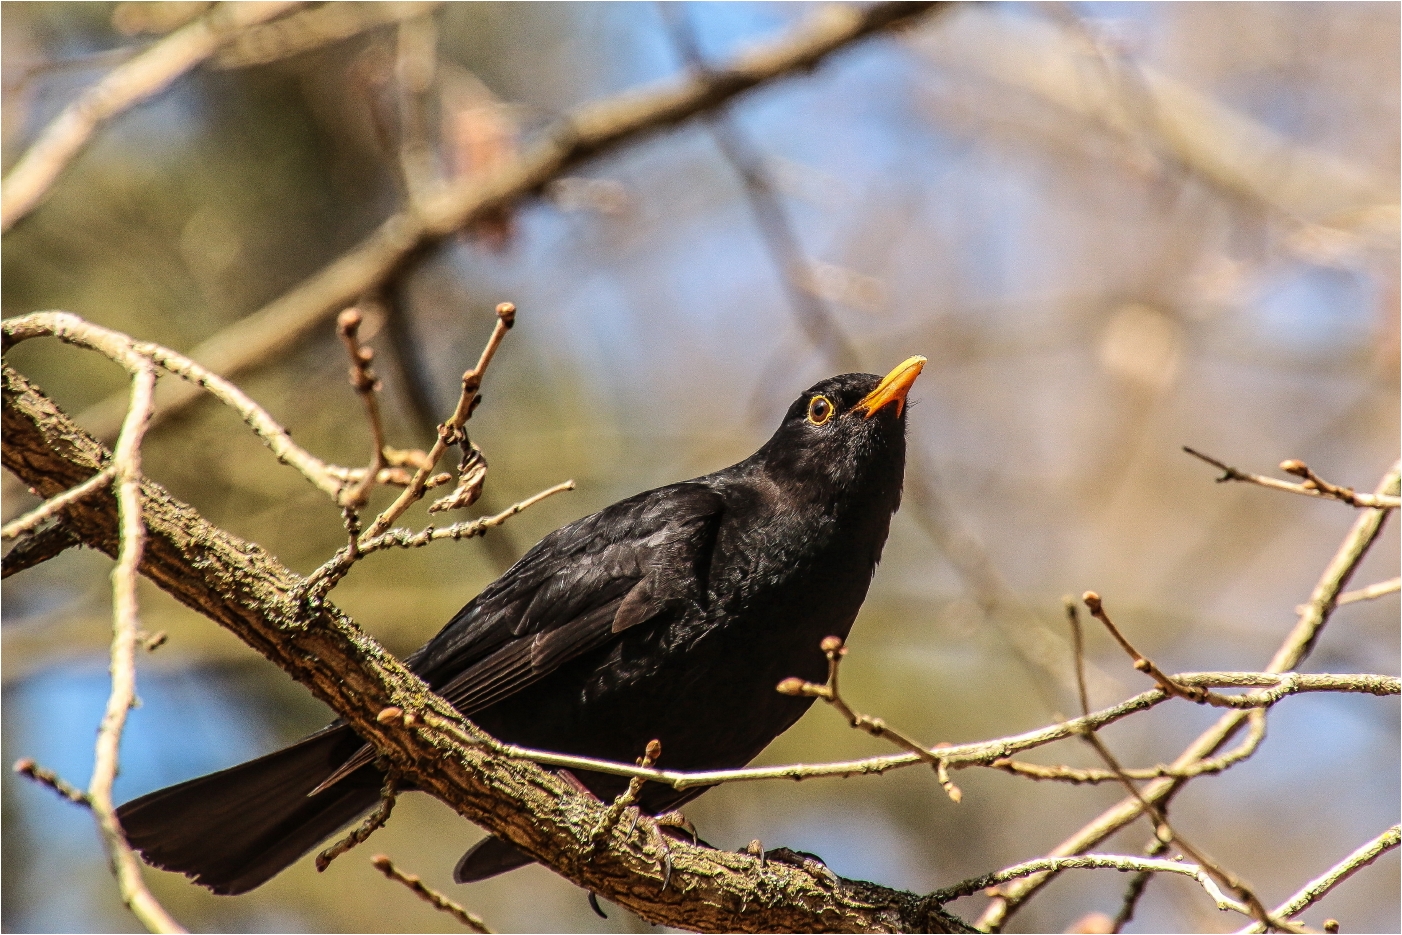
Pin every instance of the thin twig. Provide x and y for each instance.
(1313, 617)
(1318, 888)
(125, 86)
(1312, 486)
(408, 539)
(1137, 885)
(833, 648)
(1158, 817)
(1371, 592)
(1077, 775)
(993, 753)
(1118, 862)
(74, 330)
(47, 777)
(367, 386)
(437, 900)
(1141, 663)
(451, 432)
(372, 823)
(126, 459)
(54, 504)
(471, 471)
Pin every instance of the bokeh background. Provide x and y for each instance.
(1114, 229)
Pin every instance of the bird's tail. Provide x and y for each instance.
(235, 829)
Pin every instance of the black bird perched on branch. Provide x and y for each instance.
(671, 615)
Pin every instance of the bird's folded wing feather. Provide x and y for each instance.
(639, 560)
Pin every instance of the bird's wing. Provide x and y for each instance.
(577, 588)
(637, 561)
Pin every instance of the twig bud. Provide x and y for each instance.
(382, 863)
(1331, 925)
(1092, 601)
(653, 750)
(391, 713)
(348, 321)
(831, 644)
(1296, 467)
(507, 313)
(791, 686)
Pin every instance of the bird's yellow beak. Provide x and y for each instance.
(893, 387)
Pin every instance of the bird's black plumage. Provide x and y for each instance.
(671, 615)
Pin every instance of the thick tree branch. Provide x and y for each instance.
(242, 588)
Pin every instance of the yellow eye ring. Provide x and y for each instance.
(820, 410)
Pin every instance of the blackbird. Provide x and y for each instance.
(671, 615)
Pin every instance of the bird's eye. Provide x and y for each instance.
(819, 410)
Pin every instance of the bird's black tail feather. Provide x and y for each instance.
(233, 830)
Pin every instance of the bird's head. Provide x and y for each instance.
(846, 436)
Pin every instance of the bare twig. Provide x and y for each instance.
(55, 504)
(1163, 831)
(126, 459)
(1371, 592)
(834, 649)
(1118, 862)
(1312, 486)
(472, 472)
(367, 387)
(1141, 663)
(1076, 775)
(407, 539)
(47, 777)
(994, 753)
(1314, 615)
(437, 900)
(1135, 890)
(120, 347)
(372, 823)
(586, 132)
(451, 432)
(1321, 886)
(127, 85)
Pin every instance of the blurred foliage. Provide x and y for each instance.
(992, 191)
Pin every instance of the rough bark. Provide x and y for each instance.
(244, 589)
